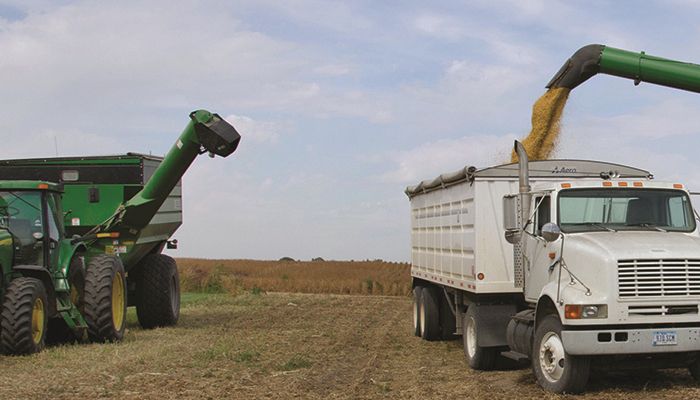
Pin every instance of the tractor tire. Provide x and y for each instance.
(157, 292)
(416, 310)
(105, 299)
(24, 317)
(478, 357)
(430, 314)
(555, 370)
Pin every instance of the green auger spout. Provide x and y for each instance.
(640, 67)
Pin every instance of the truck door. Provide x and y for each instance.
(537, 249)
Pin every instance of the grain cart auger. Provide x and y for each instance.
(70, 275)
(640, 67)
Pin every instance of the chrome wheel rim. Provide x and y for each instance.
(471, 337)
(552, 357)
(415, 314)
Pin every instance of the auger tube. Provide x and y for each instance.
(640, 67)
(206, 132)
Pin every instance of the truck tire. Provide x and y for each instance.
(429, 314)
(448, 321)
(555, 370)
(416, 310)
(478, 357)
(24, 317)
(157, 292)
(105, 298)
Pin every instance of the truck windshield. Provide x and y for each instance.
(605, 209)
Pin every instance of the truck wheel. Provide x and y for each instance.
(105, 298)
(24, 317)
(429, 314)
(416, 310)
(157, 292)
(555, 370)
(478, 357)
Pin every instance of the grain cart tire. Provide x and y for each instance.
(478, 357)
(430, 314)
(555, 370)
(24, 317)
(416, 310)
(157, 292)
(448, 321)
(105, 298)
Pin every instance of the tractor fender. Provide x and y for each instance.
(42, 274)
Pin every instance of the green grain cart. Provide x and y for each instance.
(81, 239)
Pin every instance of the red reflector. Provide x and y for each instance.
(43, 186)
(480, 276)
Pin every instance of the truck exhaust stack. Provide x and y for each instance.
(524, 186)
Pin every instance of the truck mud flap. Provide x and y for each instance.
(492, 321)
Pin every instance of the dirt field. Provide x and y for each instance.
(291, 346)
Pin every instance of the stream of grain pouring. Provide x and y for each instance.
(546, 117)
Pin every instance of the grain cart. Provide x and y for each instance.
(566, 263)
(81, 239)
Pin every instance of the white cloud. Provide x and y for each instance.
(432, 159)
(256, 131)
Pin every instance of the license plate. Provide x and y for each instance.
(665, 338)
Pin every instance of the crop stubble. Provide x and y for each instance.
(281, 346)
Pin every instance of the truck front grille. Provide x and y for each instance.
(660, 277)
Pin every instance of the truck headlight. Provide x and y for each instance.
(583, 311)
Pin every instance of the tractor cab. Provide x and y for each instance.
(31, 212)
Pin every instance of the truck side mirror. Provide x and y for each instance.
(551, 231)
(510, 219)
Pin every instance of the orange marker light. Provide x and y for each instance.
(678, 186)
(43, 186)
(572, 311)
(638, 184)
(607, 183)
(565, 185)
(113, 235)
(622, 184)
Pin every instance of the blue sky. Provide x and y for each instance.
(340, 104)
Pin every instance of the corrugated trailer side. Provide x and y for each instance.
(443, 237)
(458, 244)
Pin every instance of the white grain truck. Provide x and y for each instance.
(568, 263)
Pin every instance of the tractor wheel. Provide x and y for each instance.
(430, 314)
(24, 317)
(157, 292)
(76, 280)
(105, 298)
(555, 370)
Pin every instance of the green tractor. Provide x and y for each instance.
(81, 240)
